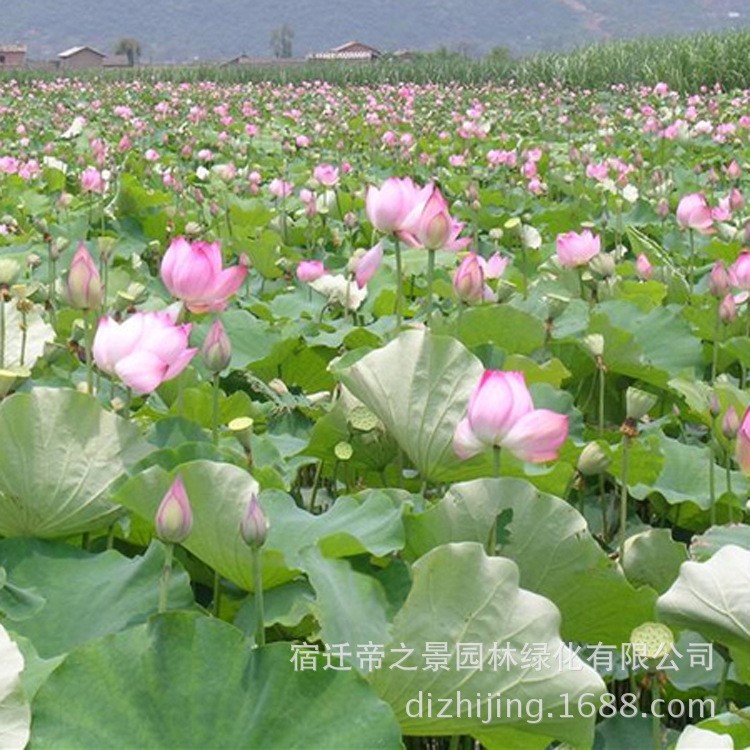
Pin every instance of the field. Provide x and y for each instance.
(370, 415)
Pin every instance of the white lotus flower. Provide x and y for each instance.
(693, 738)
(15, 712)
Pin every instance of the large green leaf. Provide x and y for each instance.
(418, 386)
(189, 681)
(712, 598)
(60, 455)
(653, 558)
(461, 596)
(219, 494)
(550, 542)
(86, 595)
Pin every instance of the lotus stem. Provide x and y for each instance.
(2, 328)
(723, 682)
(399, 284)
(492, 541)
(430, 278)
(215, 410)
(655, 720)
(216, 601)
(624, 496)
(166, 574)
(691, 263)
(602, 384)
(711, 484)
(24, 335)
(260, 628)
(88, 332)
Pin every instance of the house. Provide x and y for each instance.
(349, 51)
(12, 55)
(77, 58)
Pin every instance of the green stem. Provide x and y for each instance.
(24, 336)
(111, 536)
(492, 541)
(216, 601)
(260, 629)
(602, 384)
(88, 328)
(455, 739)
(215, 410)
(525, 272)
(715, 357)
(723, 683)
(624, 497)
(128, 401)
(166, 573)
(399, 284)
(2, 328)
(430, 278)
(52, 266)
(603, 502)
(691, 263)
(655, 720)
(315, 485)
(712, 484)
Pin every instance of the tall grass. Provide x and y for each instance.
(685, 63)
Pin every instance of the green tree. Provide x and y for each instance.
(129, 47)
(282, 38)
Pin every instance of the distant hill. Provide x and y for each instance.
(185, 30)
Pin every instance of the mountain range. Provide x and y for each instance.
(190, 30)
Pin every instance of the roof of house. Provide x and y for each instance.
(12, 48)
(75, 50)
(355, 46)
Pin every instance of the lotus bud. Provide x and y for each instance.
(593, 460)
(556, 305)
(718, 283)
(9, 271)
(594, 342)
(638, 403)
(192, 229)
(728, 309)
(174, 517)
(254, 525)
(84, 286)
(33, 260)
(730, 424)
(496, 234)
(278, 386)
(217, 349)
(242, 429)
(643, 267)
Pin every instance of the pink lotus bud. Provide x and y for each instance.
(693, 212)
(736, 200)
(193, 273)
(429, 225)
(468, 280)
(367, 264)
(643, 267)
(730, 424)
(84, 285)
(309, 270)
(217, 349)
(739, 271)
(662, 208)
(743, 443)
(174, 517)
(92, 181)
(254, 525)
(728, 309)
(502, 414)
(575, 249)
(714, 407)
(718, 283)
(280, 188)
(734, 171)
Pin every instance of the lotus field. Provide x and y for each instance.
(373, 417)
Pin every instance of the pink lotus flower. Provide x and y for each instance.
(718, 283)
(430, 225)
(728, 309)
(501, 414)
(280, 188)
(92, 180)
(495, 267)
(194, 274)
(742, 453)
(693, 212)
(309, 270)
(575, 249)
(389, 205)
(739, 271)
(366, 265)
(174, 517)
(468, 280)
(326, 174)
(643, 267)
(84, 286)
(144, 351)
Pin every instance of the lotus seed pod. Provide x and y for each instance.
(254, 526)
(343, 451)
(652, 640)
(362, 419)
(593, 460)
(638, 403)
(242, 429)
